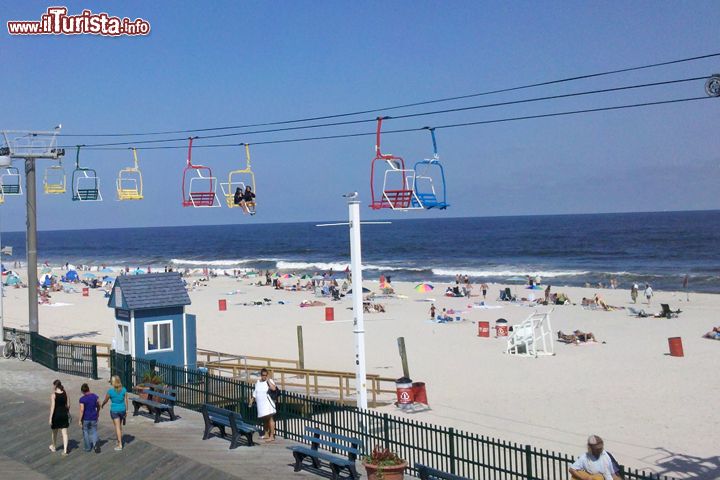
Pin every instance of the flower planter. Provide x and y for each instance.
(388, 472)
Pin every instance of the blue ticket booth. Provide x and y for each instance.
(150, 319)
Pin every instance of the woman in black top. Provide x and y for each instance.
(249, 199)
(238, 196)
(59, 415)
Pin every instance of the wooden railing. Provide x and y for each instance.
(288, 375)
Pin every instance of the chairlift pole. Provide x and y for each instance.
(31, 208)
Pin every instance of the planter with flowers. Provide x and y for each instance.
(383, 464)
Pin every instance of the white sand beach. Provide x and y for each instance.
(654, 411)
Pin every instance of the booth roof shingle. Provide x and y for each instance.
(153, 290)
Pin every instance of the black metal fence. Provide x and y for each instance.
(462, 453)
(60, 356)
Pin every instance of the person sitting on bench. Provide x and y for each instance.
(596, 463)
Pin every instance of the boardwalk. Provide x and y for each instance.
(157, 451)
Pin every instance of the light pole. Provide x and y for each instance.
(357, 289)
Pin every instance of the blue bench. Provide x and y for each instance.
(330, 441)
(428, 473)
(221, 418)
(160, 399)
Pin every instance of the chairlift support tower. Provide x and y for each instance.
(31, 146)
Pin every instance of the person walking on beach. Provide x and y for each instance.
(117, 396)
(484, 288)
(265, 405)
(634, 292)
(648, 292)
(596, 463)
(547, 295)
(88, 418)
(432, 312)
(59, 416)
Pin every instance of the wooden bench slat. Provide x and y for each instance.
(151, 403)
(429, 473)
(328, 457)
(329, 444)
(336, 436)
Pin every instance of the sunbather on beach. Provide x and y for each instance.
(598, 300)
(713, 334)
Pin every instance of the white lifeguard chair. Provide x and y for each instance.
(533, 337)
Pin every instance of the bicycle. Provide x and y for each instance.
(16, 346)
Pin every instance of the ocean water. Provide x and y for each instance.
(659, 248)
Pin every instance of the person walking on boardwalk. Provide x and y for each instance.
(88, 418)
(118, 398)
(59, 416)
(265, 405)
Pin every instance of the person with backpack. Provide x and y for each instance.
(265, 395)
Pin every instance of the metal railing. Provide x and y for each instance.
(60, 356)
(445, 448)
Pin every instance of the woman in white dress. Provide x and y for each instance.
(265, 405)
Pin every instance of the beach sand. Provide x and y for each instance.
(654, 411)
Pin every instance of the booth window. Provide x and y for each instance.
(158, 336)
(124, 335)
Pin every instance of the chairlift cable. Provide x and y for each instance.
(407, 130)
(410, 115)
(407, 105)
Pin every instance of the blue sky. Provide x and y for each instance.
(222, 63)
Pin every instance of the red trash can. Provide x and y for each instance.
(86, 292)
(329, 314)
(222, 304)
(419, 393)
(676, 348)
(404, 387)
(501, 327)
(483, 329)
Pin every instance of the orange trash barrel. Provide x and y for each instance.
(676, 348)
(404, 387)
(86, 292)
(329, 314)
(501, 328)
(419, 393)
(484, 329)
(222, 304)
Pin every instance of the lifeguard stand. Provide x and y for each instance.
(150, 319)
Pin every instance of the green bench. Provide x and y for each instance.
(221, 418)
(160, 400)
(429, 473)
(350, 448)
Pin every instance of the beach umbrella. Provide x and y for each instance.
(45, 270)
(306, 277)
(318, 277)
(423, 287)
(138, 271)
(107, 278)
(89, 275)
(288, 275)
(107, 270)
